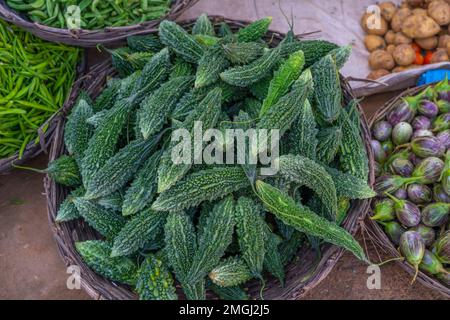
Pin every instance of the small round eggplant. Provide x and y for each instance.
(388, 147)
(431, 264)
(427, 147)
(401, 194)
(382, 131)
(378, 151)
(419, 193)
(444, 138)
(402, 133)
(442, 122)
(444, 106)
(430, 170)
(442, 90)
(394, 231)
(402, 113)
(390, 184)
(422, 133)
(435, 214)
(421, 123)
(444, 277)
(439, 195)
(402, 167)
(428, 234)
(413, 249)
(428, 109)
(415, 160)
(408, 214)
(442, 248)
(383, 210)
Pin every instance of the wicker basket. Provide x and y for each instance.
(90, 38)
(376, 233)
(300, 277)
(46, 137)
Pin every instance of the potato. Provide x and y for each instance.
(419, 11)
(376, 74)
(447, 48)
(388, 10)
(415, 3)
(373, 43)
(428, 43)
(443, 40)
(404, 55)
(380, 59)
(398, 18)
(398, 69)
(439, 56)
(368, 23)
(419, 27)
(390, 37)
(390, 48)
(440, 12)
(400, 38)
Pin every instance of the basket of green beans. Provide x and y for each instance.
(37, 78)
(87, 23)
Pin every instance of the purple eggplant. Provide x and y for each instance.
(444, 138)
(378, 169)
(431, 264)
(444, 106)
(430, 170)
(442, 90)
(442, 122)
(445, 178)
(419, 193)
(439, 195)
(415, 160)
(427, 147)
(408, 214)
(394, 231)
(401, 113)
(422, 133)
(390, 184)
(428, 234)
(402, 167)
(428, 109)
(383, 210)
(382, 131)
(421, 123)
(435, 214)
(388, 147)
(413, 249)
(403, 154)
(378, 151)
(402, 133)
(444, 277)
(401, 194)
(442, 248)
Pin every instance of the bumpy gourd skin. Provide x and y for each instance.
(303, 134)
(65, 171)
(67, 210)
(349, 186)
(212, 63)
(203, 26)
(154, 281)
(254, 31)
(273, 262)
(314, 50)
(243, 53)
(231, 272)
(329, 141)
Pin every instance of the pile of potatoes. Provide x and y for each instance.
(407, 36)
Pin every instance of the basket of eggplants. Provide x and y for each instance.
(410, 216)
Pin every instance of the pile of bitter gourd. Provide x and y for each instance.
(212, 226)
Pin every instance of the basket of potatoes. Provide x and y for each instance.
(406, 36)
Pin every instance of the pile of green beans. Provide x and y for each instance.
(36, 77)
(92, 14)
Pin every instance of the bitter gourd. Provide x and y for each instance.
(141, 229)
(273, 262)
(327, 89)
(252, 107)
(203, 26)
(143, 188)
(127, 62)
(303, 136)
(306, 172)
(352, 151)
(254, 31)
(231, 272)
(156, 109)
(314, 50)
(260, 89)
(67, 210)
(212, 63)
(304, 220)
(144, 43)
(250, 229)
(205, 185)
(230, 293)
(97, 255)
(176, 38)
(112, 201)
(120, 168)
(181, 68)
(289, 248)
(216, 237)
(244, 76)
(107, 97)
(283, 79)
(341, 55)
(107, 222)
(77, 131)
(154, 281)
(64, 171)
(349, 186)
(329, 141)
(243, 53)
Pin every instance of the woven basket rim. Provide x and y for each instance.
(91, 38)
(99, 288)
(375, 232)
(32, 149)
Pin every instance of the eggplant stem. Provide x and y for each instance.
(416, 274)
(390, 260)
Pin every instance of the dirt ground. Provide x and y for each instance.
(30, 267)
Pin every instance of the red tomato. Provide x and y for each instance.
(428, 57)
(419, 59)
(416, 47)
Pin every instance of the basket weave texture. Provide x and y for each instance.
(300, 276)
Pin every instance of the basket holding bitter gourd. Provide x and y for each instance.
(140, 225)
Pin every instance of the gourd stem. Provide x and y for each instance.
(29, 169)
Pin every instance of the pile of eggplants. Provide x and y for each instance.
(412, 152)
